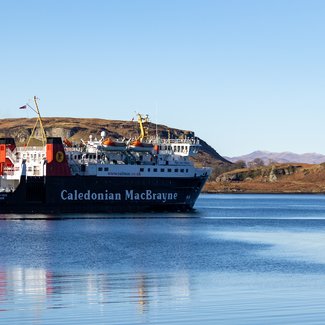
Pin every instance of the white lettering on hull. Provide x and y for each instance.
(90, 196)
(129, 195)
(148, 195)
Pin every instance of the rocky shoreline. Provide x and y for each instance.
(276, 179)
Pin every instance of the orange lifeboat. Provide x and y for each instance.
(139, 146)
(108, 142)
(136, 143)
(110, 145)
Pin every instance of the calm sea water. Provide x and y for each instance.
(240, 259)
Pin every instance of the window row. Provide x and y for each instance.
(169, 170)
(155, 170)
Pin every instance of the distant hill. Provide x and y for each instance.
(281, 157)
(75, 129)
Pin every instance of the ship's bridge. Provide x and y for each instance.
(180, 147)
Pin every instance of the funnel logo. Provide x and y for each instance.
(59, 156)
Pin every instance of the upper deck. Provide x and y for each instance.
(165, 158)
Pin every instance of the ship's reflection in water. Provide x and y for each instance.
(35, 293)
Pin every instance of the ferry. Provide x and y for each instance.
(99, 175)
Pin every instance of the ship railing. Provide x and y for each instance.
(9, 171)
(7, 189)
(31, 154)
(31, 148)
(11, 155)
(72, 149)
(180, 141)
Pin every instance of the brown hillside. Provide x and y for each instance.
(80, 128)
(279, 178)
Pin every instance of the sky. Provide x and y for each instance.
(244, 75)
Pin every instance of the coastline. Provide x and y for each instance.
(263, 188)
(291, 178)
(276, 193)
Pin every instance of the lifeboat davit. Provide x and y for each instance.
(110, 145)
(67, 142)
(139, 146)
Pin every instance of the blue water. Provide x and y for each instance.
(239, 259)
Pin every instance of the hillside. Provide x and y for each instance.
(277, 178)
(75, 129)
(281, 157)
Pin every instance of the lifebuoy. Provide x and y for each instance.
(59, 156)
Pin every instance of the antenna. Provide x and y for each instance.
(156, 118)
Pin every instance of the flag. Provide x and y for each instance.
(23, 107)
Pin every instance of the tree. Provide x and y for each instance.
(257, 162)
(239, 164)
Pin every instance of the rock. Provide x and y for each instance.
(272, 177)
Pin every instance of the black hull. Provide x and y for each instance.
(91, 194)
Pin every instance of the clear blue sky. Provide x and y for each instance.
(244, 75)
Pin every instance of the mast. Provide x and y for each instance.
(38, 121)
